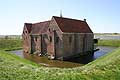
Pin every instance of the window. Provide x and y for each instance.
(35, 38)
(70, 39)
(57, 39)
(49, 29)
(50, 39)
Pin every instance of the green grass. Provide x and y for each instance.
(114, 43)
(15, 68)
(10, 44)
(106, 67)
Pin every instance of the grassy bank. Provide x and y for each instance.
(10, 44)
(13, 67)
(104, 68)
(115, 43)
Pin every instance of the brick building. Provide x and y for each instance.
(58, 38)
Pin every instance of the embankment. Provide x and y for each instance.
(14, 68)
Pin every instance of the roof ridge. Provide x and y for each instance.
(41, 22)
(69, 18)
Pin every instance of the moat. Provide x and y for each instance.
(63, 64)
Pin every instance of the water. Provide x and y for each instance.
(44, 60)
(50, 63)
(108, 37)
(18, 53)
(103, 50)
(62, 64)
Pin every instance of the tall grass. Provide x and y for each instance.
(115, 43)
(10, 44)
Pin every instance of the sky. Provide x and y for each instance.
(103, 16)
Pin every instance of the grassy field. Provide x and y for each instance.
(14, 68)
(107, 34)
(10, 44)
(115, 43)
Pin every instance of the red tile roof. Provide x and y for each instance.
(72, 25)
(41, 27)
(65, 24)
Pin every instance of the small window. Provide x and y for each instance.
(50, 39)
(57, 39)
(49, 29)
(35, 38)
(70, 39)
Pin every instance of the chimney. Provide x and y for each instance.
(60, 13)
(85, 20)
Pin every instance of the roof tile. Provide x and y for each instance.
(41, 27)
(72, 25)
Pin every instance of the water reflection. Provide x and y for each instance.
(44, 60)
(50, 63)
(74, 62)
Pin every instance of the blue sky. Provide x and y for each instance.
(102, 15)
